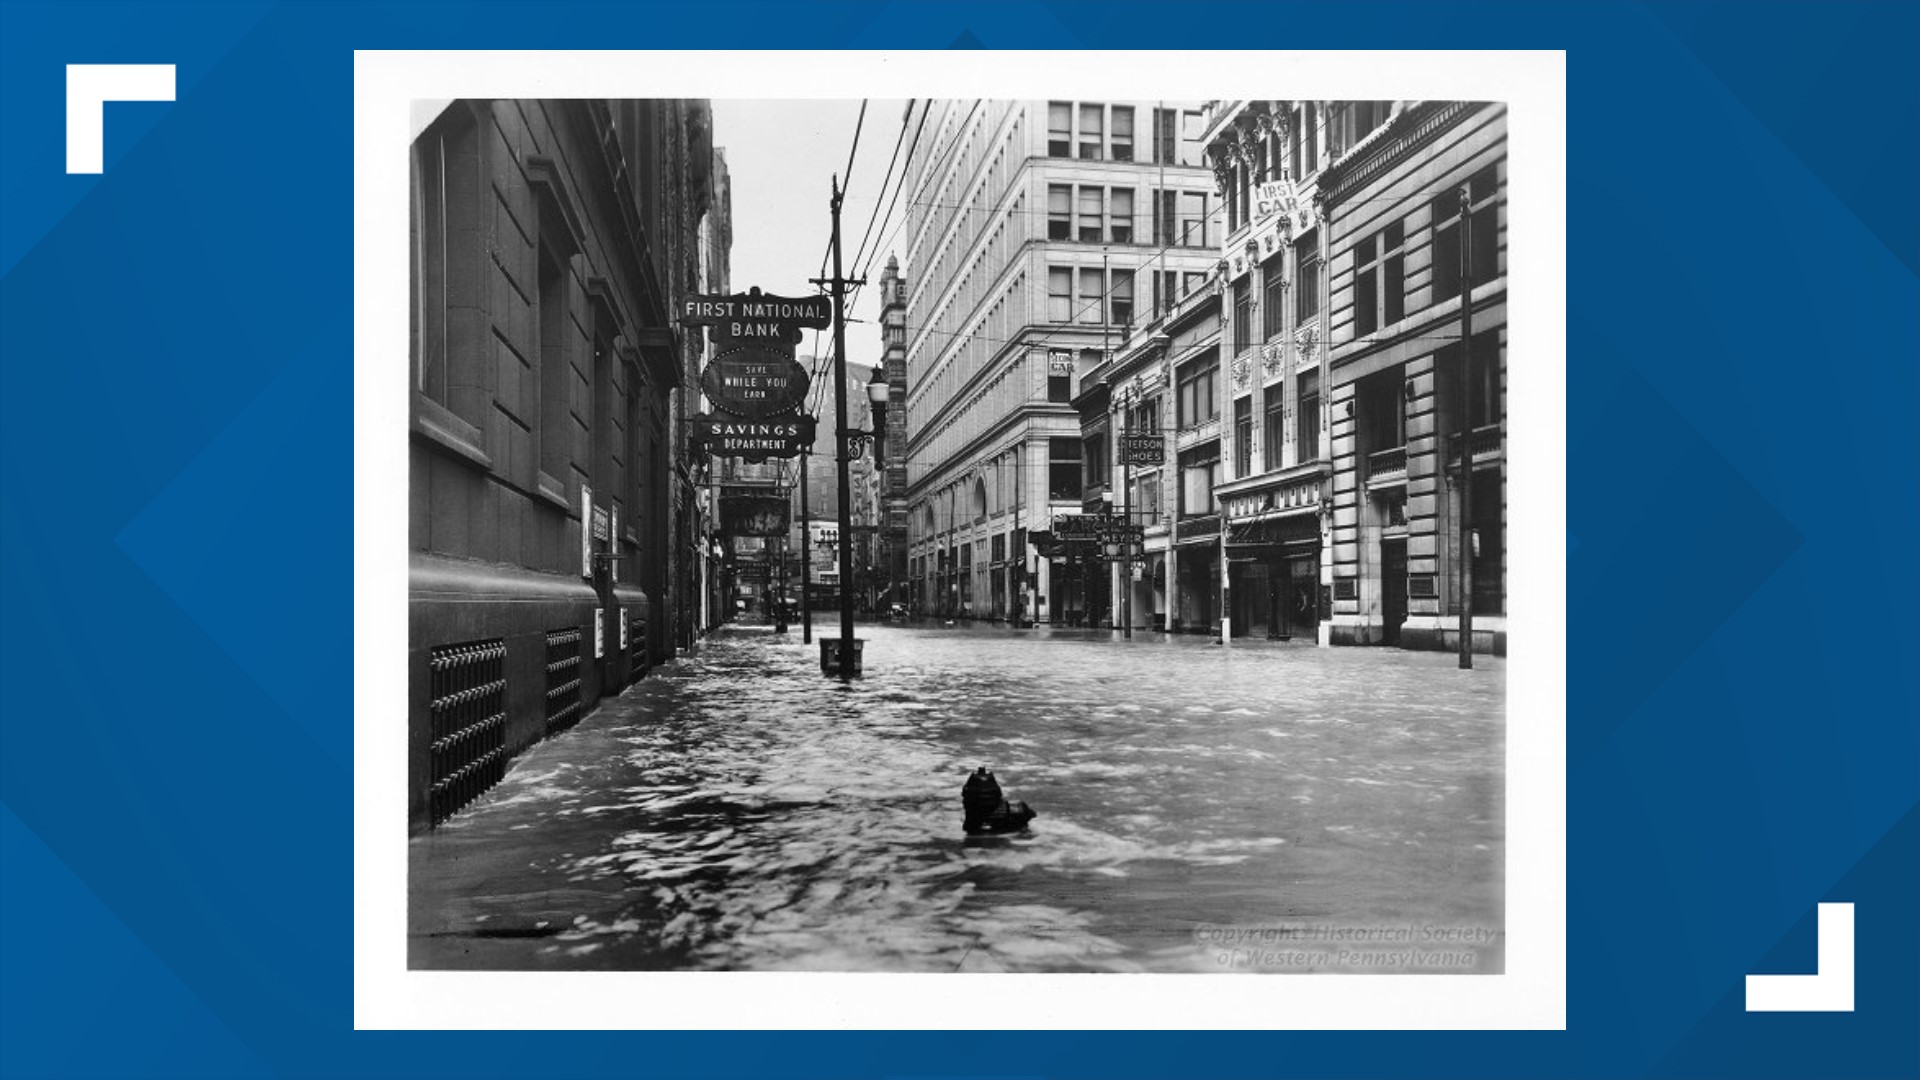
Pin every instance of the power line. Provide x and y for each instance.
(884, 180)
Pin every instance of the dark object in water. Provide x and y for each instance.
(987, 810)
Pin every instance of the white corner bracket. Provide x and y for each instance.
(89, 88)
(1829, 988)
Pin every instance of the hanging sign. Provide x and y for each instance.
(1142, 449)
(754, 440)
(755, 382)
(757, 316)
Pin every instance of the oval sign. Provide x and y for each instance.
(755, 382)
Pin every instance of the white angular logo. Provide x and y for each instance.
(1829, 988)
(89, 88)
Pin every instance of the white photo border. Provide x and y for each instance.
(1531, 993)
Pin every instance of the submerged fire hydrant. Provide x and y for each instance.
(987, 810)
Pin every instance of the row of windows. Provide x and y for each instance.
(1092, 214)
(1101, 296)
(1092, 131)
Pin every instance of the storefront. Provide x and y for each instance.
(1274, 571)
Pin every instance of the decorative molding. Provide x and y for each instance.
(1241, 367)
(1273, 355)
(1306, 342)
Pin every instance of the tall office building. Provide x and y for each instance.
(1038, 234)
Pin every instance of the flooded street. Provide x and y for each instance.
(737, 810)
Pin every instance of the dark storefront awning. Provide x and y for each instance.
(1292, 533)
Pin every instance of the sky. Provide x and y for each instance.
(782, 156)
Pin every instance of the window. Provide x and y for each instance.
(556, 374)
(1059, 294)
(1199, 474)
(1293, 145)
(1243, 436)
(1123, 133)
(1484, 222)
(1090, 215)
(1164, 213)
(1486, 402)
(1060, 376)
(1275, 428)
(1193, 130)
(1146, 498)
(1063, 469)
(1242, 314)
(1121, 298)
(1059, 212)
(1272, 314)
(445, 179)
(1093, 301)
(1059, 129)
(1191, 280)
(1094, 456)
(1166, 139)
(1380, 419)
(1488, 542)
(1358, 119)
(1306, 438)
(1144, 417)
(1193, 219)
(1091, 131)
(1306, 277)
(1198, 404)
(1379, 283)
(1366, 302)
(1121, 211)
(1311, 135)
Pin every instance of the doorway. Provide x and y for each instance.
(1393, 589)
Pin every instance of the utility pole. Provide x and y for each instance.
(806, 558)
(842, 457)
(1466, 429)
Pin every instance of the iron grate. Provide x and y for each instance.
(563, 679)
(468, 753)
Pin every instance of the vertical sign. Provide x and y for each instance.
(613, 565)
(586, 532)
(599, 632)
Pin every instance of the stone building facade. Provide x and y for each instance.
(1405, 401)
(1038, 232)
(552, 517)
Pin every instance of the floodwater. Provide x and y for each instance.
(1265, 807)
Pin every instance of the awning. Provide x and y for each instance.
(1295, 531)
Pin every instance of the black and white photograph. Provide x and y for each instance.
(958, 535)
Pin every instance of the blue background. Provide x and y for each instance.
(1743, 371)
